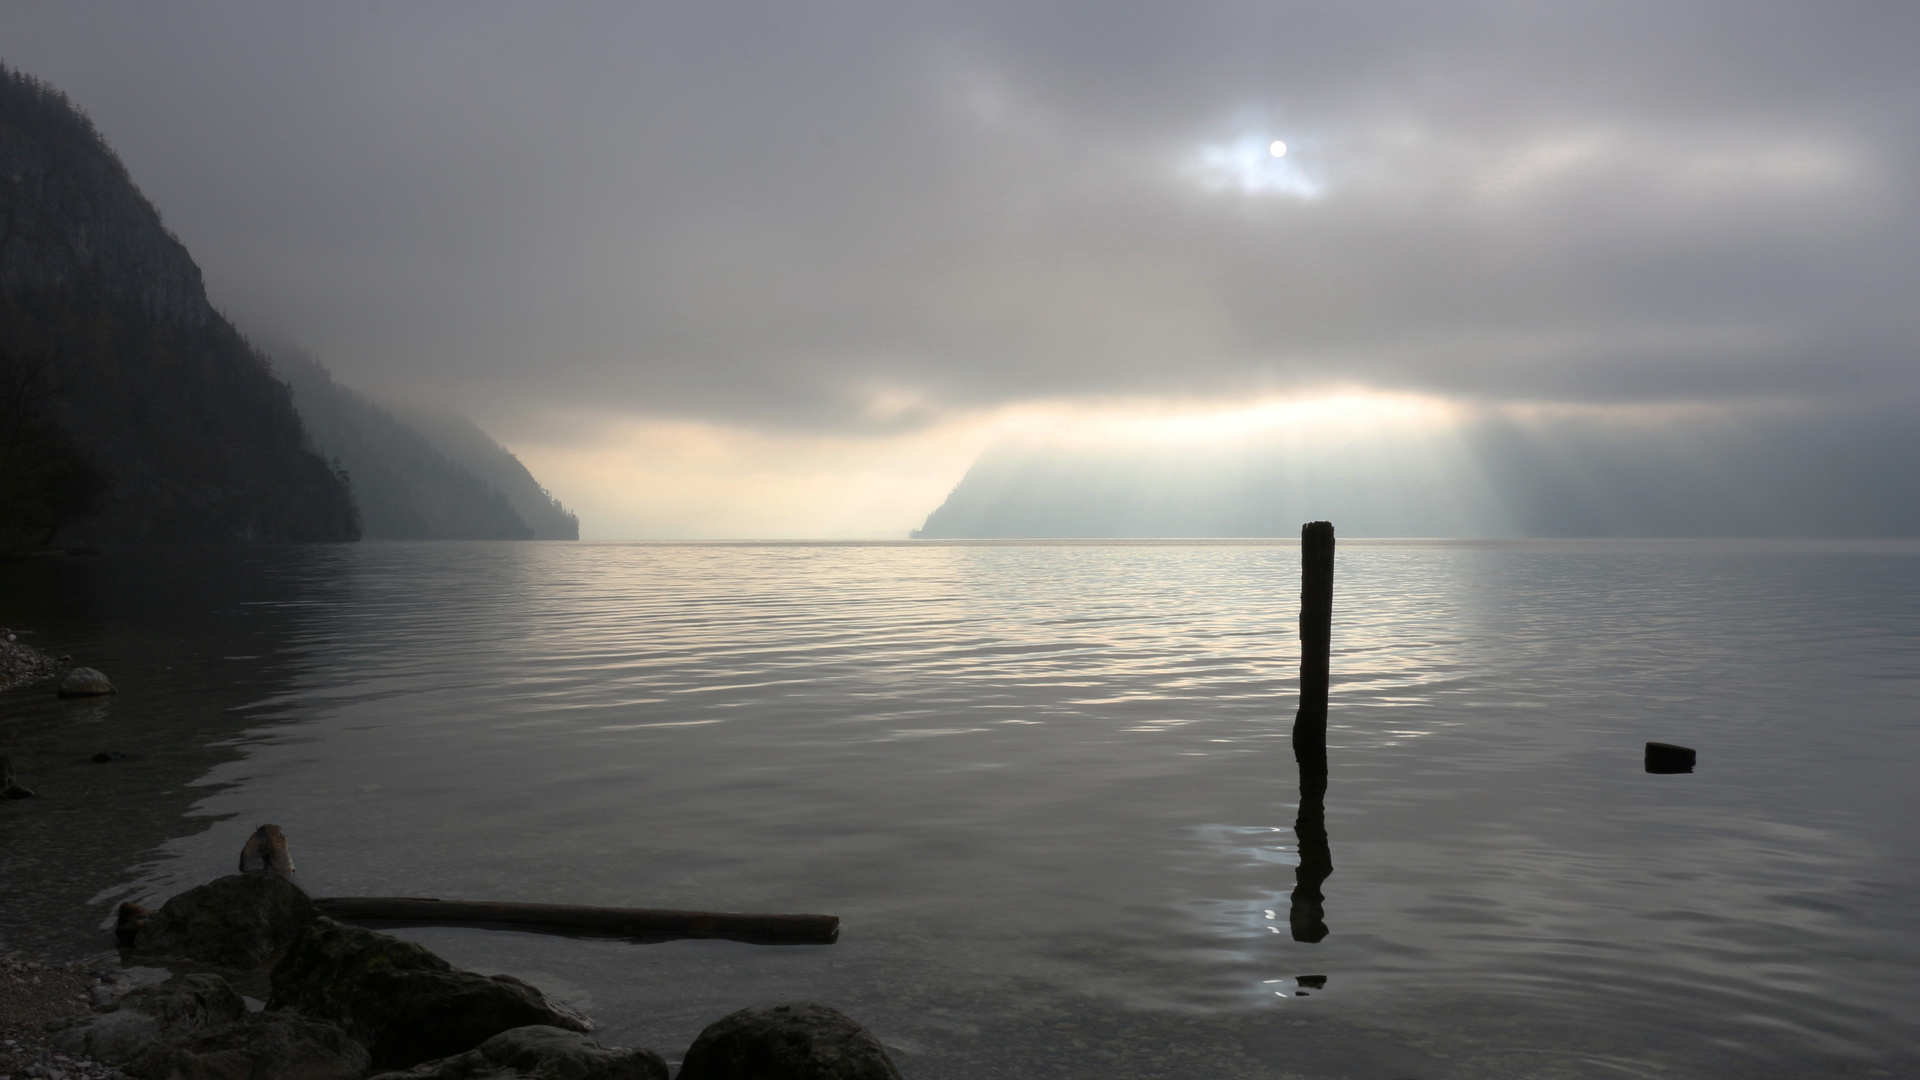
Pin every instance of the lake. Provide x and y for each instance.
(1047, 787)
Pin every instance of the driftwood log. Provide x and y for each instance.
(641, 924)
(266, 853)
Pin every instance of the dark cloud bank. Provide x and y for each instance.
(852, 217)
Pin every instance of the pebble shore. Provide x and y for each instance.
(21, 664)
(33, 992)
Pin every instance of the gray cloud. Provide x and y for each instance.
(861, 216)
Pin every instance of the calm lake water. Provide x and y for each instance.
(1047, 787)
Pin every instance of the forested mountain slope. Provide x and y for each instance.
(129, 408)
(462, 440)
(409, 486)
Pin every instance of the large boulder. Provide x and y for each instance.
(85, 682)
(399, 999)
(238, 922)
(254, 1047)
(540, 1052)
(148, 1017)
(799, 1041)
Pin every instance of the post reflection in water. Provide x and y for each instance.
(1306, 913)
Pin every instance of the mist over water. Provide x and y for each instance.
(1049, 791)
(1462, 472)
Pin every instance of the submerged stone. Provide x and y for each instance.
(798, 1041)
(399, 999)
(85, 682)
(237, 922)
(540, 1052)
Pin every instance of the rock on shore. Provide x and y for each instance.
(797, 1041)
(237, 922)
(144, 1018)
(406, 1004)
(197, 1027)
(541, 1053)
(262, 1044)
(345, 1001)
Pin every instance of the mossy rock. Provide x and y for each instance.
(402, 1002)
(265, 1044)
(540, 1053)
(238, 922)
(798, 1041)
(85, 682)
(148, 1017)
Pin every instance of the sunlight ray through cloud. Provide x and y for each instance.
(1384, 464)
(662, 478)
(1345, 414)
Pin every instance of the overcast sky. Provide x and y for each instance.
(784, 269)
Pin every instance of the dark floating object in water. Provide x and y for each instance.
(644, 924)
(1312, 982)
(1668, 758)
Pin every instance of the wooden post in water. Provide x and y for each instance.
(1316, 637)
(1306, 912)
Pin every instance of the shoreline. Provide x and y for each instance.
(23, 665)
(35, 992)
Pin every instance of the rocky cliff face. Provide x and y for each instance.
(71, 217)
(106, 316)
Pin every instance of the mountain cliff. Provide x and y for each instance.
(424, 476)
(463, 442)
(129, 408)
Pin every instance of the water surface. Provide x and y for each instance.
(1048, 787)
